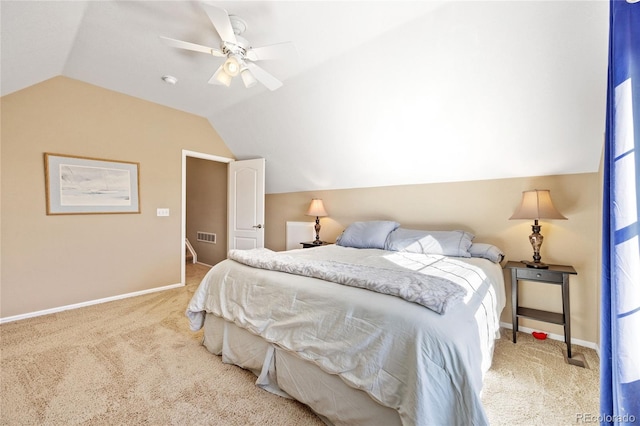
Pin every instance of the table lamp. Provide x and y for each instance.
(536, 204)
(316, 208)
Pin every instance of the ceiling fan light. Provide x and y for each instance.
(223, 77)
(247, 78)
(232, 66)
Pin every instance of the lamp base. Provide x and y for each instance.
(536, 265)
(317, 241)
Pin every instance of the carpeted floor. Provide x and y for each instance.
(134, 361)
(530, 383)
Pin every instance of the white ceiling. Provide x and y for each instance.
(381, 93)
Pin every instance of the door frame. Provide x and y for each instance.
(183, 232)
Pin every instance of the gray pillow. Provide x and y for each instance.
(486, 251)
(371, 234)
(446, 243)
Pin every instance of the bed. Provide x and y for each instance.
(326, 327)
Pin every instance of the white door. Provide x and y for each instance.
(246, 204)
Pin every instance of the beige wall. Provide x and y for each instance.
(484, 208)
(207, 208)
(53, 261)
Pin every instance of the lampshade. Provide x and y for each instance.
(536, 204)
(222, 76)
(247, 78)
(232, 66)
(316, 208)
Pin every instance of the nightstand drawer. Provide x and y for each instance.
(539, 275)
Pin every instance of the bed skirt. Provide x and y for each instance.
(285, 374)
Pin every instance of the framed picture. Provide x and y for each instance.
(82, 185)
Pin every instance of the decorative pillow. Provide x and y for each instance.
(371, 234)
(447, 243)
(486, 251)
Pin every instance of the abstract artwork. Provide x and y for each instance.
(82, 185)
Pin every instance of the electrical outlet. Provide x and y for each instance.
(162, 212)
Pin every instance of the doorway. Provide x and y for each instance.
(205, 198)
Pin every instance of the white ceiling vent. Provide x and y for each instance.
(206, 237)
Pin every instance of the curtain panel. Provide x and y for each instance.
(620, 309)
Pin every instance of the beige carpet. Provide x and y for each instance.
(134, 361)
(530, 383)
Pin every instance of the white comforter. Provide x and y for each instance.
(427, 366)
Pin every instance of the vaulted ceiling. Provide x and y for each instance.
(380, 93)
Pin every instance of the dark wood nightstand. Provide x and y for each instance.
(556, 274)
(310, 244)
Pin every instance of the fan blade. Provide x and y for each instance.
(264, 77)
(191, 46)
(220, 20)
(274, 51)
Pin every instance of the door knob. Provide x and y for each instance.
(257, 226)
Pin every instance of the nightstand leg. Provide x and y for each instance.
(566, 313)
(514, 303)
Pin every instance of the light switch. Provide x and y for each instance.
(162, 212)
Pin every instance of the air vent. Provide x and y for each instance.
(206, 237)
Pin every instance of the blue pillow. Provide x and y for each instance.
(371, 234)
(446, 243)
(486, 251)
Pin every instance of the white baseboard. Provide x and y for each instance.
(89, 303)
(559, 337)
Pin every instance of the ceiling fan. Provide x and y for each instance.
(239, 53)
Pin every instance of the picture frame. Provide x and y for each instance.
(85, 185)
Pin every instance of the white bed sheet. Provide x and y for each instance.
(427, 366)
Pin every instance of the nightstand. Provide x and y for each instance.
(309, 244)
(557, 275)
